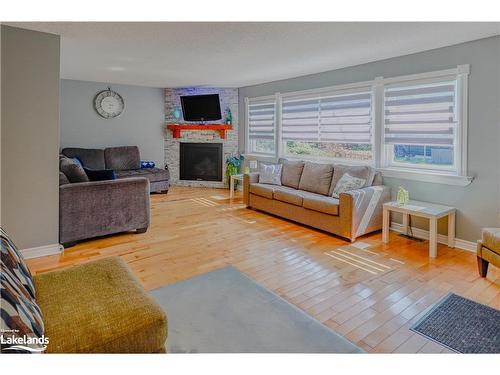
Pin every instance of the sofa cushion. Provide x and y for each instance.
(316, 178)
(288, 195)
(270, 174)
(152, 174)
(491, 239)
(347, 183)
(72, 170)
(320, 203)
(378, 180)
(21, 317)
(63, 180)
(292, 170)
(100, 174)
(147, 164)
(367, 173)
(90, 157)
(263, 190)
(106, 311)
(12, 262)
(122, 158)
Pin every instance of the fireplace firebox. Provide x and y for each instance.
(201, 161)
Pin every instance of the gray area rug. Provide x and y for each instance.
(462, 325)
(225, 312)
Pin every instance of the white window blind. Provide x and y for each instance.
(261, 121)
(345, 118)
(421, 114)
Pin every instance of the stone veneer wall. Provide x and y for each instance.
(228, 99)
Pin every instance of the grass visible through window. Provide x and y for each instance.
(350, 151)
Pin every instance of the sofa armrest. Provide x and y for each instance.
(91, 209)
(361, 209)
(248, 178)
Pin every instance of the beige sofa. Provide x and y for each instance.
(305, 196)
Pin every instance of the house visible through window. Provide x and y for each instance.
(420, 125)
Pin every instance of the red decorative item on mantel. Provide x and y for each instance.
(177, 128)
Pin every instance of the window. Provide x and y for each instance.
(420, 125)
(261, 127)
(412, 126)
(330, 126)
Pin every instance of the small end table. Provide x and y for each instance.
(232, 179)
(431, 211)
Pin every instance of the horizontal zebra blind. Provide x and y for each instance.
(261, 121)
(421, 114)
(346, 118)
(300, 120)
(343, 118)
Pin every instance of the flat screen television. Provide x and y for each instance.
(201, 107)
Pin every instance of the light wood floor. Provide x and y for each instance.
(370, 296)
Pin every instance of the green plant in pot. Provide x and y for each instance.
(233, 166)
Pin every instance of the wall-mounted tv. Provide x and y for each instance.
(201, 107)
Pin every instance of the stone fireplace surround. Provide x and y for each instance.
(229, 99)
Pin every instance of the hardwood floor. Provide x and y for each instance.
(371, 296)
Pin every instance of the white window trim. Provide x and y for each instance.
(379, 161)
(278, 136)
(457, 167)
(426, 176)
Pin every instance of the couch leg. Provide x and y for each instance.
(141, 230)
(165, 192)
(69, 244)
(482, 266)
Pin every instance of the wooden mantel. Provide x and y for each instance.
(177, 128)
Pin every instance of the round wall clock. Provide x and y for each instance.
(109, 104)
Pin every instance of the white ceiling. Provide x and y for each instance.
(238, 54)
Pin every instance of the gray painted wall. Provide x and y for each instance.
(479, 203)
(30, 136)
(141, 123)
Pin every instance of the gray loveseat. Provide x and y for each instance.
(92, 208)
(98, 208)
(125, 161)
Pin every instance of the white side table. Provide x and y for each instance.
(431, 211)
(234, 177)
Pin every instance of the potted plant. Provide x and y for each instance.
(233, 166)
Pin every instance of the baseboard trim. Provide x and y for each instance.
(424, 234)
(41, 251)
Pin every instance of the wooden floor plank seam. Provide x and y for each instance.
(370, 295)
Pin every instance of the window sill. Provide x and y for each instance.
(432, 177)
(260, 157)
(324, 160)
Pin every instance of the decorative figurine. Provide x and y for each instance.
(403, 196)
(176, 113)
(229, 116)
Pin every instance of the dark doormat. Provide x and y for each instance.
(462, 325)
